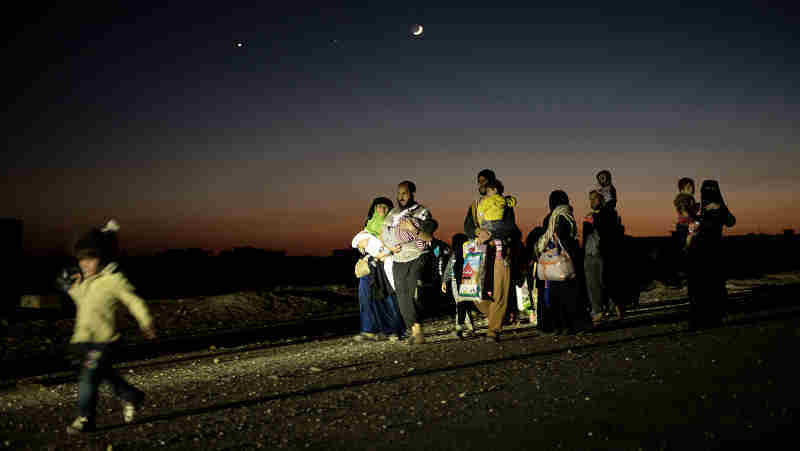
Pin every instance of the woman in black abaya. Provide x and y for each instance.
(707, 293)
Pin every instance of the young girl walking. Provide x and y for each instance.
(452, 276)
(97, 292)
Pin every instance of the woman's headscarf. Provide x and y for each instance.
(374, 221)
(559, 207)
(710, 193)
(557, 198)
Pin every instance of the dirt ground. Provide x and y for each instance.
(48, 336)
(628, 385)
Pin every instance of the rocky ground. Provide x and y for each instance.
(46, 335)
(632, 384)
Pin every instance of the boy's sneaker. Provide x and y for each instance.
(129, 409)
(80, 425)
(459, 332)
(366, 336)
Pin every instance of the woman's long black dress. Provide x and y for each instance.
(708, 296)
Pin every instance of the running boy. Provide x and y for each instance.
(97, 292)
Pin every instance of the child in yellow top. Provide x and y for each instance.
(98, 290)
(491, 210)
(492, 207)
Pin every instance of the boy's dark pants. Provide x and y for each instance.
(463, 310)
(96, 367)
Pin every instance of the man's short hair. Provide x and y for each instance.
(410, 186)
(684, 182)
(496, 184)
(488, 174)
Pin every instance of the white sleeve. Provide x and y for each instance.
(359, 236)
(374, 246)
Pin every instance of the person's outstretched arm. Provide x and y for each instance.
(135, 305)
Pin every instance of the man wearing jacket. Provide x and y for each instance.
(495, 309)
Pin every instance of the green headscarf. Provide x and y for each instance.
(374, 224)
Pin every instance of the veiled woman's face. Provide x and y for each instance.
(382, 209)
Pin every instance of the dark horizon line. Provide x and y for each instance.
(332, 253)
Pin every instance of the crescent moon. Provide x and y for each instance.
(418, 31)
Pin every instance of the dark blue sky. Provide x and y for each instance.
(155, 116)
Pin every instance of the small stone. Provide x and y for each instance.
(314, 369)
(216, 360)
(461, 395)
(212, 348)
(587, 399)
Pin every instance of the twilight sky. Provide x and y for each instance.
(155, 116)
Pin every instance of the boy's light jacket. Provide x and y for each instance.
(97, 298)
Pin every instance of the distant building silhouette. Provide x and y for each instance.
(11, 251)
(349, 252)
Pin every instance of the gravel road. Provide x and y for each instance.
(651, 385)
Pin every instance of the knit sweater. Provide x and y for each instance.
(97, 298)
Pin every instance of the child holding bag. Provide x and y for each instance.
(452, 276)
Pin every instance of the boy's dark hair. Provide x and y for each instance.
(604, 171)
(412, 188)
(458, 245)
(496, 184)
(429, 226)
(684, 203)
(97, 244)
(684, 182)
(488, 174)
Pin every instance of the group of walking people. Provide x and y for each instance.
(398, 244)
(402, 255)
